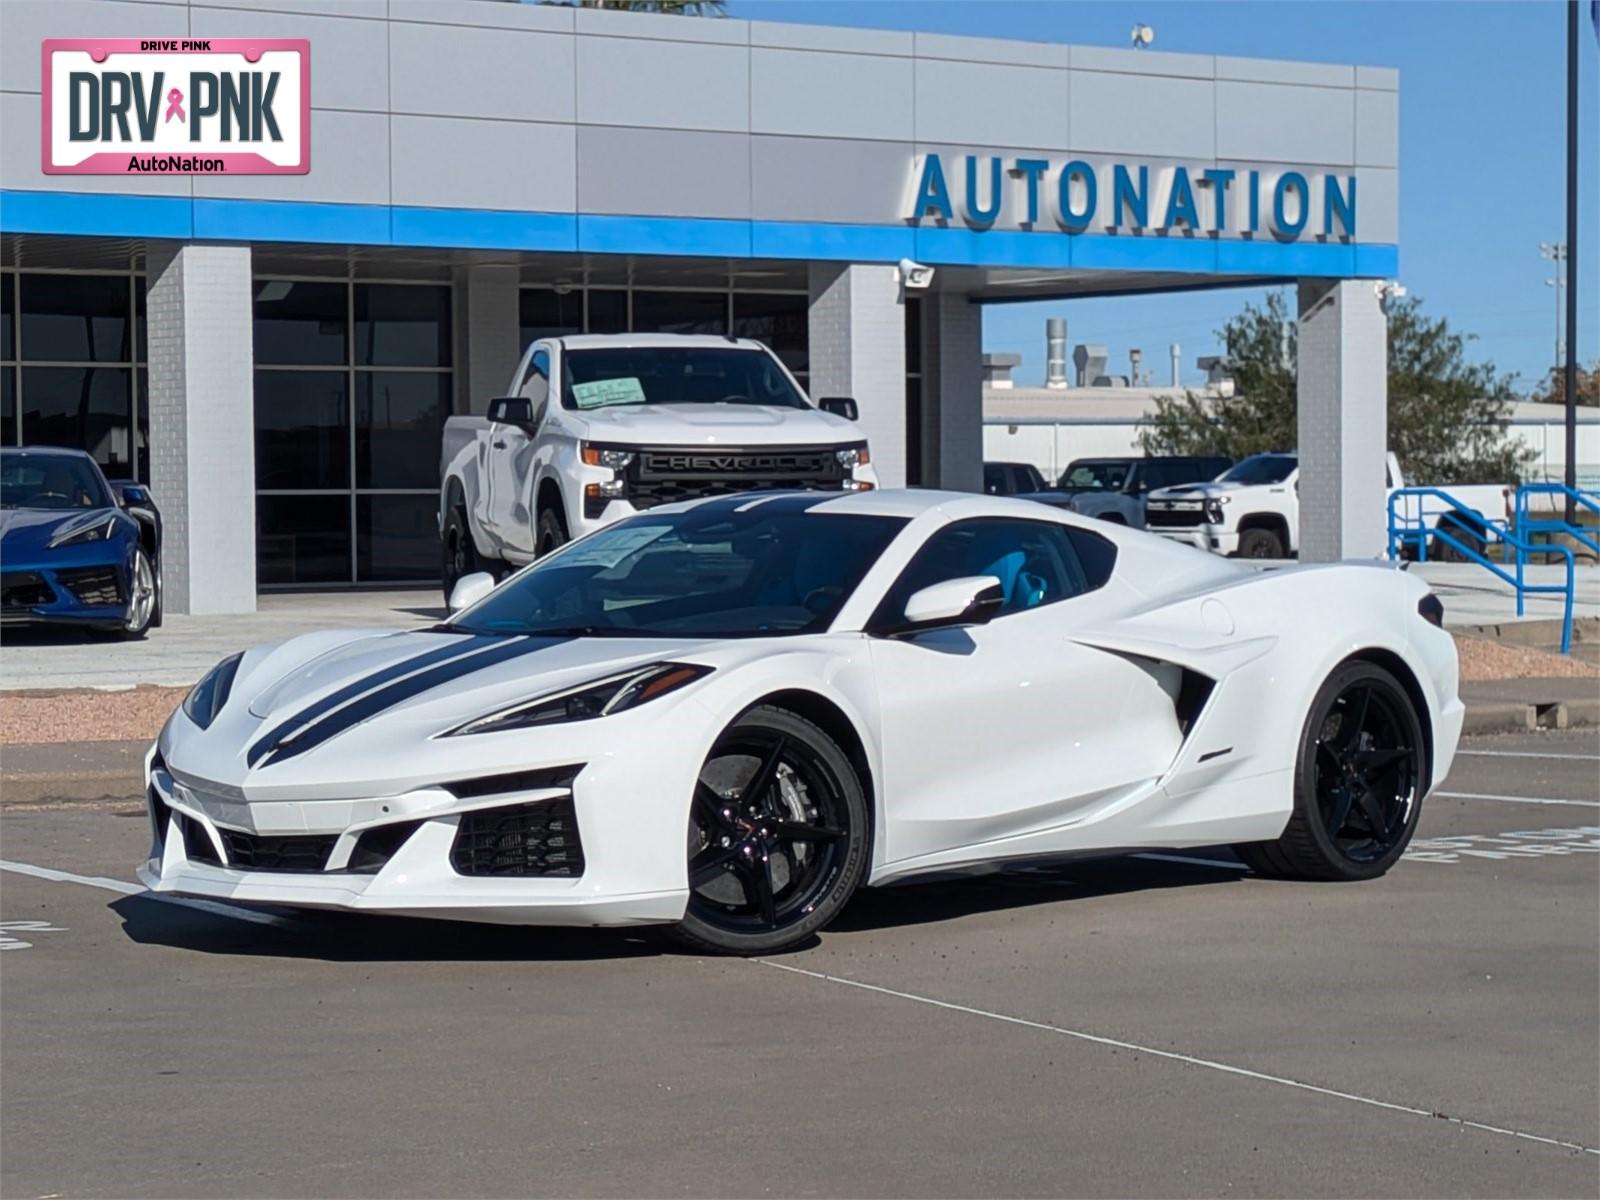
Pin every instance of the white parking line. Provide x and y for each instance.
(1514, 799)
(215, 907)
(1191, 1060)
(1527, 754)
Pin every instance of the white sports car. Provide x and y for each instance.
(728, 715)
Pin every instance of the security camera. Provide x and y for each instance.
(915, 275)
(1388, 291)
(1142, 36)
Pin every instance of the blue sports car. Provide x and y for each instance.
(74, 549)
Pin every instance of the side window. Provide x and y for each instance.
(536, 384)
(1036, 562)
(994, 479)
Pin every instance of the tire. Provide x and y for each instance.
(144, 596)
(1261, 543)
(1334, 832)
(460, 552)
(1462, 529)
(763, 889)
(550, 533)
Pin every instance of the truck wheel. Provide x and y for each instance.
(1260, 543)
(552, 532)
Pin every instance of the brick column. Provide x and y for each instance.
(202, 425)
(858, 349)
(1343, 397)
(952, 382)
(488, 316)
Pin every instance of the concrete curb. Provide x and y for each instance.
(1518, 717)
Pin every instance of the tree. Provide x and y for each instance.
(1554, 388)
(677, 8)
(1447, 416)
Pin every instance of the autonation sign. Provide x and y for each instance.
(1077, 195)
(197, 106)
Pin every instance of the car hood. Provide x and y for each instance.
(1195, 491)
(30, 530)
(719, 425)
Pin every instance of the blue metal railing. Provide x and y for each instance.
(1410, 529)
(1528, 524)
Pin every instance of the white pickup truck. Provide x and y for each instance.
(596, 427)
(1253, 509)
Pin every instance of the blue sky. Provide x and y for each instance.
(1482, 153)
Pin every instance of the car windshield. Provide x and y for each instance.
(1261, 468)
(50, 481)
(1094, 476)
(708, 572)
(632, 375)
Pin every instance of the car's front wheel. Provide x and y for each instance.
(778, 836)
(1359, 782)
(142, 597)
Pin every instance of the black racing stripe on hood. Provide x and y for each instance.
(375, 702)
(459, 646)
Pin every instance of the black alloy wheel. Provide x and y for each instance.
(777, 836)
(550, 533)
(460, 555)
(1360, 779)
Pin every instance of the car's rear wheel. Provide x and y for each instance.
(778, 836)
(550, 533)
(461, 555)
(142, 597)
(1359, 782)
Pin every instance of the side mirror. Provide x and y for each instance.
(970, 600)
(469, 589)
(512, 410)
(130, 494)
(840, 406)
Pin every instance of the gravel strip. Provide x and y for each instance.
(86, 716)
(1484, 659)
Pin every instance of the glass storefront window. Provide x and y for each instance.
(397, 537)
(399, 428)
(783, 322)
(301, 324)
(547, 313)
(8, 331)
(87, 408)
(75, 318)
(402, 325)
(303, 539)
(608, 310)
(302, 429)
(680, 312)
(8, 406)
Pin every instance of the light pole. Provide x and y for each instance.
(1556, 252)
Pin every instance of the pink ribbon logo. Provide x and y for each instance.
(175, 106)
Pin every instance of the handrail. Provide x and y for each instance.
(1406, 529)
(1528, 524)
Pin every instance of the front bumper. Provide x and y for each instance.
(72, 589)
(484, 849)
(1203, 537)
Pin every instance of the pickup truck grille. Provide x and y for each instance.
(665, 475)
(1175, 518)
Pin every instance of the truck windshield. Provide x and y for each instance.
(600, 378)
(710, 572)
(1262, 468)
(1094, 476)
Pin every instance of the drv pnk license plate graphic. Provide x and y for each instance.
(190, 106)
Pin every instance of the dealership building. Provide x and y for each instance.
(276, 353)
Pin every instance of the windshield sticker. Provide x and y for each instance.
(606, 550)
(602, 392)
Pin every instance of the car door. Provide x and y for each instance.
(511, 453)
(1011, 730)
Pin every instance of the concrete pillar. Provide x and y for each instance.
(1343, 396)
(202, 424)
(488, 345)
(952, 358)
(858, 349)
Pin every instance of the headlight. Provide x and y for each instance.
(601, 698)
(97, 531)
(1214, 508)
(601, 456)
(851, 457)
(205, 701)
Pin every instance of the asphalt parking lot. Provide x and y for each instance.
(1146, 1026)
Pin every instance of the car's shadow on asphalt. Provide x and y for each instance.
(57, 635)
(361, 938)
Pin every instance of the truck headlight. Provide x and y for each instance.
(605, 456)
(1214, 508)
(851, 457)
(601, 698)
